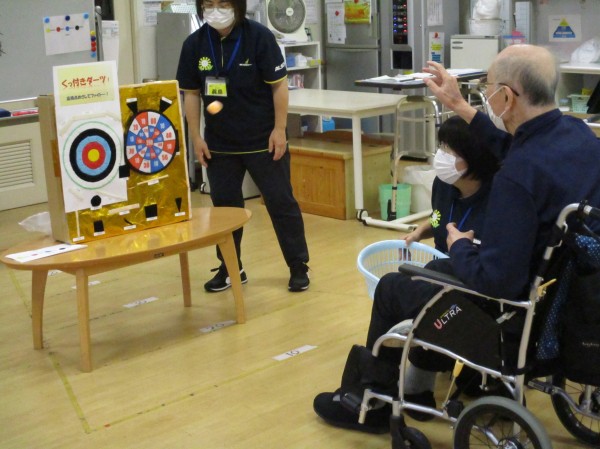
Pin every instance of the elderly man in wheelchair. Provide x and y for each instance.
(498, 307)
(554, 332)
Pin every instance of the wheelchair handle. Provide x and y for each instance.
(582, 208)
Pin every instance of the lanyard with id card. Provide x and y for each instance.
(217, 86)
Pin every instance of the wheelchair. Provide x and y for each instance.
(543, 343)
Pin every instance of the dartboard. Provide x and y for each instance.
(89, 155)
(92, 155)
(151, 142)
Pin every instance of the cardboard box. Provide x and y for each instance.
(157, 186)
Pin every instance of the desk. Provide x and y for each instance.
(415, 83)
(209, 226)
(353, 105)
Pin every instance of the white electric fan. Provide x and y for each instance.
(286, 18)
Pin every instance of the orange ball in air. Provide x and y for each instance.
(215, 107)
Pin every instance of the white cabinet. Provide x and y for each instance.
(303, 61)
(574, 77)
(473, 52)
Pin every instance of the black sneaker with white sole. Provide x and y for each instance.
(221, 280)
(298, 278)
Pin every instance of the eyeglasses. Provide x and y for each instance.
(513, 91)
(484, 84)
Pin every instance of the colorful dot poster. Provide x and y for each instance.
(121, 152)
(67, 33)
(564, 28)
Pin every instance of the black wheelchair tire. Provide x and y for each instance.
(503, 413)
(410, 438)
(569, 418)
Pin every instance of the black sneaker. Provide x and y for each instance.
(298, 278)
(221, 280)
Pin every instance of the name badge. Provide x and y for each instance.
(216, 87)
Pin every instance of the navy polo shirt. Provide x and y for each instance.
(248, 115)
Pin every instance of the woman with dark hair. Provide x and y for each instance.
(463, 178)
(234, 69)
(464, 173)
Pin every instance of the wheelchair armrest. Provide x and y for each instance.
(435, 276)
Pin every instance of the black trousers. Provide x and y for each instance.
(397, 298)
(226, 175)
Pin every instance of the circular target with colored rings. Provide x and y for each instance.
(151, 142)
(90, 155)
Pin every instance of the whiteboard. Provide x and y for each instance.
(25, 69)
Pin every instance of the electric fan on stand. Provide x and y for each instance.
(287, 18)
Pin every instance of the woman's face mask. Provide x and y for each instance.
(444, 165)
(496, 119)
(219, 18)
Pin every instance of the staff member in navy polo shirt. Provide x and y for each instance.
(234, 67)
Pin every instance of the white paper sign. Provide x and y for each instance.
(564, 28)
(67, 33)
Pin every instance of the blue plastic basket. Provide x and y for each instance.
(384, 257)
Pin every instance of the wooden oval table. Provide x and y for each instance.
(208, 226)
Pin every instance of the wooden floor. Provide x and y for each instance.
(162, 381)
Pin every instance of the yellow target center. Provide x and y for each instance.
(94, 155)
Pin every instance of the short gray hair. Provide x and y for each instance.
(538, 81)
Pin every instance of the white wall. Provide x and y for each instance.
(125, 64)
(590, 23)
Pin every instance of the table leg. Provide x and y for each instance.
(230, 257)
(185, 279)
(357, 155)
(38, 289)
(83, 315)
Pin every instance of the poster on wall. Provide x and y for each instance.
(436, 47)
(336, 27)
(564, 28)
(121, 153)
(357, 11)
(67, 33)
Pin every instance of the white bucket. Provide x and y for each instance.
(421, 178)
(485, 27)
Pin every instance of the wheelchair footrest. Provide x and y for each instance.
(351, 402)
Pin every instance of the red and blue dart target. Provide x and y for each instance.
(151, 142)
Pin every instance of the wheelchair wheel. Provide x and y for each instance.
(582, 427)
(490, 422)
(410, 438)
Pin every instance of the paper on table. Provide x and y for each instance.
(395, 79)
(453, 72)
(28, 256)
(462, 72)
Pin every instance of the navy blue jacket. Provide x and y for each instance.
(553, 160)
(448, 206)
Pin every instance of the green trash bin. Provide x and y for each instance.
(402, 200)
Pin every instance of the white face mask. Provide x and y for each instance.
(444, 165)
(496, 119)
(219, 18)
